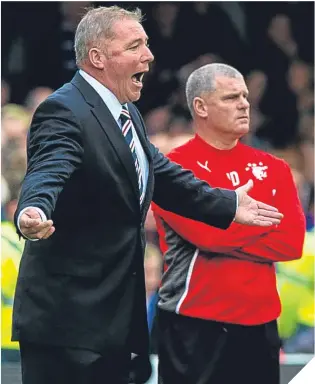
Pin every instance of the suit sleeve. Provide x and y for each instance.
(54, 152)
(177, 190)
(285, 241)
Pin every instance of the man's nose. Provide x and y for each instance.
(148, 56)
(244, 104)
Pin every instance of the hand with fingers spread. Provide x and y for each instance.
(252, 212)
(32, 226)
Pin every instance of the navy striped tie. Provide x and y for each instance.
(126, 129)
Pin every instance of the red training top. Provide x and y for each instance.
(229, 275)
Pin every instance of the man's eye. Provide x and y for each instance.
(134, 47)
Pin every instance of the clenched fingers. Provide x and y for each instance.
(27, 222)
(49, 233)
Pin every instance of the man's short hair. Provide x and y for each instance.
(203, 80)
(96, 25)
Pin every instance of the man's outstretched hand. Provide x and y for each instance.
(32, 226)
(252, 212)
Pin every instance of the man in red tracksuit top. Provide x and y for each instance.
(218, 301)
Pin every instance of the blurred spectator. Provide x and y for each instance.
(305, 102)
(153, 274)
(307, 149)
(256, 83)
(162, 141)
(157, 120)
(280, 33)
(35, 97)
(300, 77)
(15, 169)
(5, 192)
(300, 81)
(165, 35)
(58, 49)
(296, 288)
(5, 92)
(184, 71)
(15, 120)
(179, 125)
(274, 56)
(15, 123)
(180, 139)
(152, 269)
(214, 31)
(304, 189)
(11, 251)
(150, 229)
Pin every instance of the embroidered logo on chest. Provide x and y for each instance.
(258, 170)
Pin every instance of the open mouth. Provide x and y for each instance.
(137, 78)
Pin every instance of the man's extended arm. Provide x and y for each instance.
(54, 153)
(177, 190)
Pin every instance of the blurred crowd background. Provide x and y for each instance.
(271, 43)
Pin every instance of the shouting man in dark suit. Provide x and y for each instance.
(80, 308)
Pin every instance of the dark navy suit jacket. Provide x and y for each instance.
(84, 286)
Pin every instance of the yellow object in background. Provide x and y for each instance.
(296, 289)
(11, 252)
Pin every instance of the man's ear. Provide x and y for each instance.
(96, 58)
(200, 107)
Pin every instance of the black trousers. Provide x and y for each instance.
(57, 365)
(195, 351)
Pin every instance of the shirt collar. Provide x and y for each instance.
(106, 95)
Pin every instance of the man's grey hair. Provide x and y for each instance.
(96, 25)
(202, 80)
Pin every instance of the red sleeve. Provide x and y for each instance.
(285, 241)
(203, 236)
(208, 238)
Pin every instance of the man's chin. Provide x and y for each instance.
(135, 97)
(243, 129)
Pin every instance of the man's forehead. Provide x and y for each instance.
(233, 84)
(129, 29)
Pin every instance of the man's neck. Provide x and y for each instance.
(93, 74)
(223, 143)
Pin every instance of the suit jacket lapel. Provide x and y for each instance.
(110, 128)
(112, 131)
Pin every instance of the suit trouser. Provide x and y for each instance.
(58, 365)
(196, 351)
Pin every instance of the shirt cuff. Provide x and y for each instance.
(41, 214)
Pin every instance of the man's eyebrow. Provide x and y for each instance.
(235, 93)
(231, 93)
(139, 40)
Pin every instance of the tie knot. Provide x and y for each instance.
(124, 113)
